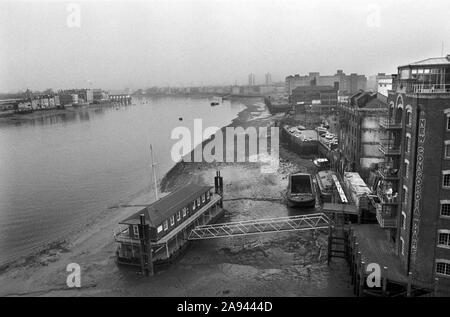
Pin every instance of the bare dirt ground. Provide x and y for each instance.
(282, 264)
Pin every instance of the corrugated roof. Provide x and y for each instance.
(431, 61)
(167, 206)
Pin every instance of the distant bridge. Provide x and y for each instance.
(250, 227)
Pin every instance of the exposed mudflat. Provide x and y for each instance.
(281, 264)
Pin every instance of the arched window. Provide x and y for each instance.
(402, 246)
(399, 114)
(406, 168)
(408, 115)
(405, 195)
(403, 220)
(408, 143)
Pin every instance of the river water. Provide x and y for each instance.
(58, 172)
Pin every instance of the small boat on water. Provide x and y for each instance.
(301, 192)
(216, 101)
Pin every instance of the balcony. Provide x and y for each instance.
(121, 235)
(385, 219)
(390, 148)
(387, 172)
(390, 124)
(387, 198)
(431, 88)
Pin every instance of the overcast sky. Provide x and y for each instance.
(193, 42)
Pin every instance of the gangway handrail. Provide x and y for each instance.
(279, 219)
(314, 221)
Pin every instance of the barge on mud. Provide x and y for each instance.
(301, 191)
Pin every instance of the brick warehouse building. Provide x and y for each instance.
(414, 186)
(359, 132)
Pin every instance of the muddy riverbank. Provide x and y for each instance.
(283, 264)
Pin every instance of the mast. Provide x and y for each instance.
(154, 173)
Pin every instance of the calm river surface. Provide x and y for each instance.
(57, 172)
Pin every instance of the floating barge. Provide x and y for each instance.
(330, 189)
(301, 192)
(164, 226)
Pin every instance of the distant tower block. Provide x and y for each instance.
(251, 79)
(268, 78)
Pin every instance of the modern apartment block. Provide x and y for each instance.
(414, 186)
(268, 79)
(348, 84)
(314, 95)
(251, 79)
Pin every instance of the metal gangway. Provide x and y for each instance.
(315, 221)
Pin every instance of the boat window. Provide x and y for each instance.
(193, 205)
(160, 228)
(172, 220)
(184, 211)
(165, 225)
(179, 216)
(203, 198)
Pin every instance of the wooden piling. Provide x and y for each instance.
(435, 287)
(384, 281)
(409, 285)
(362, 278)
(150, 269)
(330, 241)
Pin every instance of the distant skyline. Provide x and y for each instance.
(140, 44)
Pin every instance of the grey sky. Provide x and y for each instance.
(140, 44)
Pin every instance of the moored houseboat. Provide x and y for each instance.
(330, 188)
(325, 185)
(301, 191)
(170, 221)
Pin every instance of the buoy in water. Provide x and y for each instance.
(180, 119)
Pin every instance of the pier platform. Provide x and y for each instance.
(368, 243)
